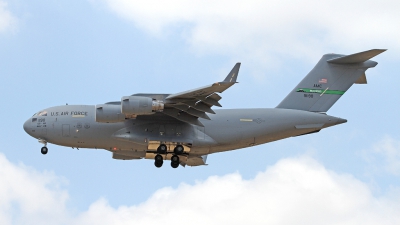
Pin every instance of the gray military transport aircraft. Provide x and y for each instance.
(183, 128)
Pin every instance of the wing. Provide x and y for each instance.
(190, 105)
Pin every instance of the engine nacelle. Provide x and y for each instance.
(138, 105)
(107, 113)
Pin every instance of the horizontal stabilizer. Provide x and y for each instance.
(357, 57)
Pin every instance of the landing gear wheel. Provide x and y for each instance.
(44, 150)
(174, 165)
(158, 164)
(162, 149)
(158, 161)
(158, 157)
(178, 150)
(175, 158)
(174, 161)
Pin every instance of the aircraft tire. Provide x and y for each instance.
(174, 161)
(162, 149)
(158, 158)
(158, 164)
(174, 164)
(44, 150)
(178, 150)
(158, 161)
(175, 158)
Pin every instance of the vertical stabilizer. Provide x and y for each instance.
(332, 76)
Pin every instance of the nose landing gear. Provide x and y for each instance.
(44, 149)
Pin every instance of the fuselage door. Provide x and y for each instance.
(65, 130)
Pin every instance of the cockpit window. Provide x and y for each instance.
(41, 113)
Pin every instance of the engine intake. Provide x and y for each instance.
(106, 113)
(137, 105)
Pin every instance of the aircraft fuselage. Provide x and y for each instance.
(184, 128)
(228, 129)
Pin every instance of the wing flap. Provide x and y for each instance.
(209, 101)
(195, 112)
(182, 116)
(200, 106)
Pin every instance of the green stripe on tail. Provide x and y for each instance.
(320, 91)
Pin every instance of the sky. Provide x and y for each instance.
(95, 51)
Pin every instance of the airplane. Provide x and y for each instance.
(183, 127)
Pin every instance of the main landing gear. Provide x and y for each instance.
(174, 161)
(158, 161)
(162, 149)
(178, 150)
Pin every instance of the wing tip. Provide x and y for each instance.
(232, 76)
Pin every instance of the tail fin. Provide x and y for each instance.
(332, 76)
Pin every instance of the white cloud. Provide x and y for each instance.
(293, 191)
(6, 18)
(387, 149)
(27, 196)
(267, 30)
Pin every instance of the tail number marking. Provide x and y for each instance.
(308, 96)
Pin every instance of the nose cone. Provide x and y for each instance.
(27, 127)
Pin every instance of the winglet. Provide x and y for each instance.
(357, 57)
(232, 76)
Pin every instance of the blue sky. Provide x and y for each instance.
(95, 51)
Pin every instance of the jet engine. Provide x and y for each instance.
(132, 106)
(107, 113)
